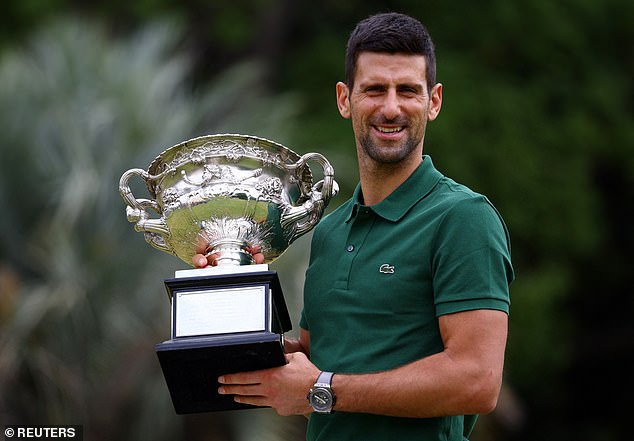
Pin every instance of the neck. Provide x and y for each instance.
(378, 180)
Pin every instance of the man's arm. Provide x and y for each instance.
(464, 378)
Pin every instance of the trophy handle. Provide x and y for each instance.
(301, 219)
(155, 230)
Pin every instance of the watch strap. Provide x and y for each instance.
(324, 379)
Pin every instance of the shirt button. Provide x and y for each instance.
(350, 248)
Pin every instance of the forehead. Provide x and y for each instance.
(393, 68)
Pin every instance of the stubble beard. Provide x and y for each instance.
(390, 153)
(387, 154)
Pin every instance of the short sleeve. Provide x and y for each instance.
(472, 259)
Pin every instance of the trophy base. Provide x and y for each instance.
(223, 322)
(191, 367)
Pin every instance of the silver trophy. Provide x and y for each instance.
(227, 195)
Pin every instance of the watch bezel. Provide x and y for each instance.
(327, 396)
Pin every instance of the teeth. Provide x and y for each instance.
(389, 129)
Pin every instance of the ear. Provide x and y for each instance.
(435, 102)
(343, 99)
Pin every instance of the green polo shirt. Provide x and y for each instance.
(380, 276)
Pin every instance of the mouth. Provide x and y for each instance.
(389, 130)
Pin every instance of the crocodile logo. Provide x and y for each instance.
(386, 268)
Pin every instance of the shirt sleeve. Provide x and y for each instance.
(472, 259)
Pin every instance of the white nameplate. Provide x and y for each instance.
(220, 311)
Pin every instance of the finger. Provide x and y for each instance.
(212, 259)
(258, 258)
(244, 378)
(252, 400)
(199, 261)
(290, 356)
(240, 389)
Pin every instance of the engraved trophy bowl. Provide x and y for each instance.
(228, 194)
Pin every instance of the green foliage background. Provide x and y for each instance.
(537, 114)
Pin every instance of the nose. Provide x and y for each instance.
(391, 107)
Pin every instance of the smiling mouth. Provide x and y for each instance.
(389, 130)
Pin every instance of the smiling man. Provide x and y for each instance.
(406, 299)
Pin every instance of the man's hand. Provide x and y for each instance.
(283, 388)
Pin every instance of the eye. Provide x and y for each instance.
(409, 90)
(374, 90)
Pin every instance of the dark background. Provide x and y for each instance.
(537, 115)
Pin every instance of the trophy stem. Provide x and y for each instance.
(231, 252)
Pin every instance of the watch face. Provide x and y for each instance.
(321, 399)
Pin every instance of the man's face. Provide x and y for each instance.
(389, 105)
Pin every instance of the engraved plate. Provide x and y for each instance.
(220, 311)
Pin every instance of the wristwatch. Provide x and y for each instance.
(321, 397)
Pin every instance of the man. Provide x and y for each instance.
(406, 297)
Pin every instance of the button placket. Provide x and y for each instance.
(361, 226)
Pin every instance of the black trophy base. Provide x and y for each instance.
(191, 367)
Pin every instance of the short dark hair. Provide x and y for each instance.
(390, 33)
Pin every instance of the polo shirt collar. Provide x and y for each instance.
(398, 203)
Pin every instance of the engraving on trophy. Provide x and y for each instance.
(231, 150)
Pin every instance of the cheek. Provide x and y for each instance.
(358, 121)
(361, 111)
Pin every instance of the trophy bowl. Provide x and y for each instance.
(228, 195)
